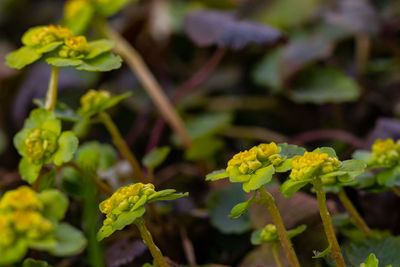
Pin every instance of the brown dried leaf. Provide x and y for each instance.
(124, 251)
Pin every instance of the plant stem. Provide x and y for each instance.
(148, 240)
(51, 97)
(327, 222)
(396, 190)
(122, 146)
(268, 201)
(275, 253)
(357, 219)
(139, 67)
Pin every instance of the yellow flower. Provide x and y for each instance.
(124, 198)
(32, 223)
(7, 235)
(269, 233)
(385, 152)
(40, 145)
(304, 165)
(249, 161)
(74, 47)
(22, 198)
(49, 34)
(93, 100)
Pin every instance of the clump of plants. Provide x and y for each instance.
(60, 164)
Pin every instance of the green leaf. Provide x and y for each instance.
(385, 249)
(55, 204)
(42, 118)
(29, 171)
(70, 241)
(363, 155)
(14, 253)
(296, 231)
(80, 20)
(28, 37)
(267, 72)
(285, 166)
(204, 148)
(96, 156)
(99, 47)
(371, 261)
(71, 182)
(155, 157)
(63, 62)
(103, 62)
(328, 150)
(325, 85)
(161, 193)
(389, 177)
(61, 110)
(169, 197)
(261, 177)
(353, 168)
(208, 124)
(319, 255)
(48, 180)
(217, 175)
(290, 186)
(19, 140)
(29, 262)
(22, 57)
(219, 205)
(255, 238)
(48, 47)
(241, 208)
(67, 145)
(107, 8)
(289, 151)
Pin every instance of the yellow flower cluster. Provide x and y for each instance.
(269, 233)
(124, 198)
(75, 47)
(249, 161)
(93, 100)
(49, 34)
(21, 217)
(40, 145)
(386, 152)
(311, 161)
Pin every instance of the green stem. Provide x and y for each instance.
(275, 253)
(327, 222)
(357, 219)
(148, 240)
(51, 97)
(149, 82)
(122, 146)
(268, 201)
(396, 190)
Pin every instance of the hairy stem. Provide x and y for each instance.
(268, 201)
(51, 97)
(139, 67)
(148, 240)
(121, 145)
(357, 219)
(275, 253)
(327, 222)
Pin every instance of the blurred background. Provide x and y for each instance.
(240, 72)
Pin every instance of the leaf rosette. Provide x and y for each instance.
(322, 163)
(128, 203)
(31, 220)
(61, 48)
(255, 167)
(41, 141)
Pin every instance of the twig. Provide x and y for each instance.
(187, 247)
(137, 65)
